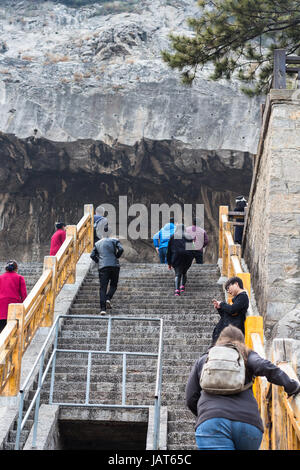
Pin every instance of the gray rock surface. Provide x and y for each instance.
(81, 73)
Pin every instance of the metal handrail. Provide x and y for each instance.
(52, 361)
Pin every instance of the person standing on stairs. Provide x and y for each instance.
(241, 205)
(100, 227)
(161, 240)
(12, 290)
(200, 239)
(232, 421)
(180, 257)
(106, 253)
(58, 238)
(100, 224)
(235, 313)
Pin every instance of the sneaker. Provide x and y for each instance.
(177, 293)
(103, 312)
(108, 304)
(182, 289)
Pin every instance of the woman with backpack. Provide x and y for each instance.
(231, 421)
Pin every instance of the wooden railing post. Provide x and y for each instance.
(16, 312)
(72, 232)
(246, 278)
(50, 262)
(89, 209)
(223, 210)
(282, 353)
(253, 324)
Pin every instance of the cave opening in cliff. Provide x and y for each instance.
(45, 181)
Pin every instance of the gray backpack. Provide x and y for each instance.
(224, 371)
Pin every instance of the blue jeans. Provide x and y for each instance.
(163, 255)
(225, 434)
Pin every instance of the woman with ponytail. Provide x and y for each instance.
(12, 290)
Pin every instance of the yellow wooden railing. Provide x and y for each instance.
(37, 310)
(280, 415)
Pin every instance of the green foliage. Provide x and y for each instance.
(237, 37)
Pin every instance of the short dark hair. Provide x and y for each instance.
(11, 265)
(233, 280)
(60, 225)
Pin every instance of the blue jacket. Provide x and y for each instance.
(161, 238)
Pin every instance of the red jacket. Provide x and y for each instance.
(57, 240)
(12, 291)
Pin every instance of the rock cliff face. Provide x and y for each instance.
(78, 73)
(110, 118)
(42, 181)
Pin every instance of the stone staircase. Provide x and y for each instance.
(144, 291)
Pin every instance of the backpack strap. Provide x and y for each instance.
(246, 386)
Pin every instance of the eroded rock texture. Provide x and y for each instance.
(42, 181)
(78, 73)
(110, 119)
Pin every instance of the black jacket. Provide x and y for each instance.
(241, 406)
(234, 314)
(180, 252)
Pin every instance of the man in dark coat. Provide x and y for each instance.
(241, 203)
(180, 256)
(234, 314)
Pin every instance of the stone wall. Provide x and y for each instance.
(272, 238)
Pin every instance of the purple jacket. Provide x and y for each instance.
(199, 235)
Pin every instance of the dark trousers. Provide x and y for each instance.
(198, 255)
(2, 324)
(163, 255)
(109, 274)
(180, 276)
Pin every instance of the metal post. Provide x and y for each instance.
(124, 380)
(37, 404)
(158, 391)
(21, 406)
(108, 334)
(88, 379)
(53, 365)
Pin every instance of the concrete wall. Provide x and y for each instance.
(271, 246)
(93, 428)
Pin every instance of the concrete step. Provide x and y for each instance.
(136, 345)
(168, 319)
(108, 371)
(184, 357)
(143, 310)
(100, 331)
(156, 286)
